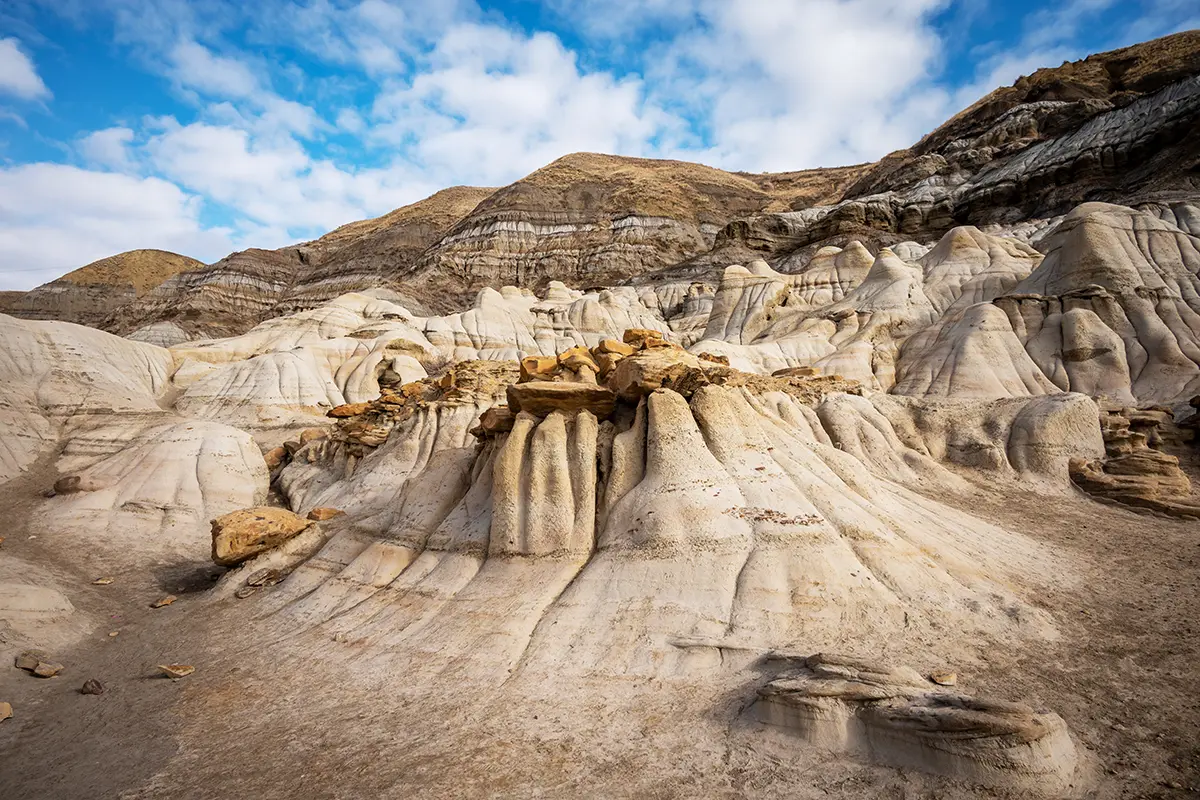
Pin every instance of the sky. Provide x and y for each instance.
(208, 126)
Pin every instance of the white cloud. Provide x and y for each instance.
(54, 218)
(18, 77)
(108, 148)
(196, 67)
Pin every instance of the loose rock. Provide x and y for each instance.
(5, 711)
(177, 670)
(241, 535)
(944, 678)
(323, 513)
(29, 659)
(166, 601)
(47, 669)
(92, 686)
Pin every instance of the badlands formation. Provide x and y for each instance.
(638, 479)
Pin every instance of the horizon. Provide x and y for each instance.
(197, 129)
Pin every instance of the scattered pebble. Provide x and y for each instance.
(102, 581)
(47, 669)
(166, 601)
(177, 670)
(92, 686)
(114, 633)
(944, 678)
(5, 711)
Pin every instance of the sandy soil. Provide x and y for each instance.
(272, 714)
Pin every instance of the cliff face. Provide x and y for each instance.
(1115, 127)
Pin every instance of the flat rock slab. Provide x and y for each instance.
(543, 397)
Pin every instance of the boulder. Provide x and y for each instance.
(577, 357)
(538, 368)
(494, 421)
(642, 338)
(640, 374)
(613, 347)
(542, 397)
(240, 535)
(275, 457)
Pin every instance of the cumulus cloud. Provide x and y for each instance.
(59, 217)
(108, 148)
(18, 77)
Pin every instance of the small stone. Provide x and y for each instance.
(29, 659)
(114, 633)
(49, 493)
(68, 484)
(166, 601)
(944, 678)
(177, 670)
(102, 581)
(323, 513)
(92, 686)
(47, 669)
(265, 577)
(5, 711)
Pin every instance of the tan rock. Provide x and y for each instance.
(348, 410)
(639, 375)
(47, 669)
(716, 359)
(275, 457)
(796, 372)
(323, 513)
(642, 338)
(29, 659)
(944, 677)
(177, 670)
(243, 534)
(102, 581)
(577, 358)
(542, 397)
(6, 711)
(613, 347)
(494, 421)
(165, 601)
(312, 434)
(537, 368)
(607, 362)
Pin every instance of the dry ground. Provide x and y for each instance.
(304, 716)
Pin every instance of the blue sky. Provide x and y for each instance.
(202, 127)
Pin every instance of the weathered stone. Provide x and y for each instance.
(494, 421)
(642, 338)
(312, 434)
(164, 601)
(348, 410)
(70, 484)
(323, 513)
(716, 359)
(47, 669)
(640, 374)
(102, 581)
(614, 347)
(538, 368)
(265, 577)
(245, 591)
(607, 362)
(944, 677)
(244, 534)
(176, 670)
(543, 397)
(796, 372)
(6, 711)
(576, 358)
(92, 686)
(29, 659)
(275, 457)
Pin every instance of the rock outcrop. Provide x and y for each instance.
(241, 535)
